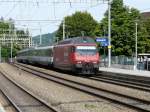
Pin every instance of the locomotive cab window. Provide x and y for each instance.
(72, 49)
(86, 50)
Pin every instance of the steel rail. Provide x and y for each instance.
(137, 79)
(29, 93)
(129, 84)
(129, 101)
(10, 100)
(125, 80)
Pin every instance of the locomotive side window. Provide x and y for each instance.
(72, 49)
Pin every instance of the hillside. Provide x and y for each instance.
(47, 39)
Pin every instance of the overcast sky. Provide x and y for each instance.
(51, 12)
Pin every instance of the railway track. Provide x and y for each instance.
(17, 109)
(21, 99)
(131, 84)
(129, 101)
(137, 80)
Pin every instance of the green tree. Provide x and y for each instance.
(123, 29)
(147, 26)
(7, 29)
(78, 24)
(6, 51)
(4, 26)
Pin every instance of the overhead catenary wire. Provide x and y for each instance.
(52, 1)
(54, 11)
(11, 10)
(38, 4)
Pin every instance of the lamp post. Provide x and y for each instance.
(135, 64)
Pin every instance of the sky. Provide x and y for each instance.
(46, 15)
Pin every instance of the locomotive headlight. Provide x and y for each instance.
(95, 62)
(79, 62)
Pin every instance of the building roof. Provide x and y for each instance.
(145, 15)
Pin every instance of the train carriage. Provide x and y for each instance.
(77, 54)
(37, 55)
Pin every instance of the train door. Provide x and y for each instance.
(66, 60)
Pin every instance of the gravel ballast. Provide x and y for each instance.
(61, 97)
(106, 86)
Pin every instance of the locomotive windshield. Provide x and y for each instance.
(86, 50)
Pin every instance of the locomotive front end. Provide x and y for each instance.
(86, 59)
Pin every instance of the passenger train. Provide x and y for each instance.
(78, 54)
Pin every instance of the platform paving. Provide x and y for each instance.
(1, 108)
(125, 71)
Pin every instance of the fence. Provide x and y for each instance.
(3, 59)
(124, 62)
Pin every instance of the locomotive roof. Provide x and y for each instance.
(77, 40)
(24, 50)
(45, 47)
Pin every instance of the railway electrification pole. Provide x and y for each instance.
(0, 54)
(109, 33)
(40, 33)
(64, 29)
(10, 27)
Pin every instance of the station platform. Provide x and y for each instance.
(1, 108)
(139, 73)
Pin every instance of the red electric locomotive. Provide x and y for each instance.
(77, 54)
